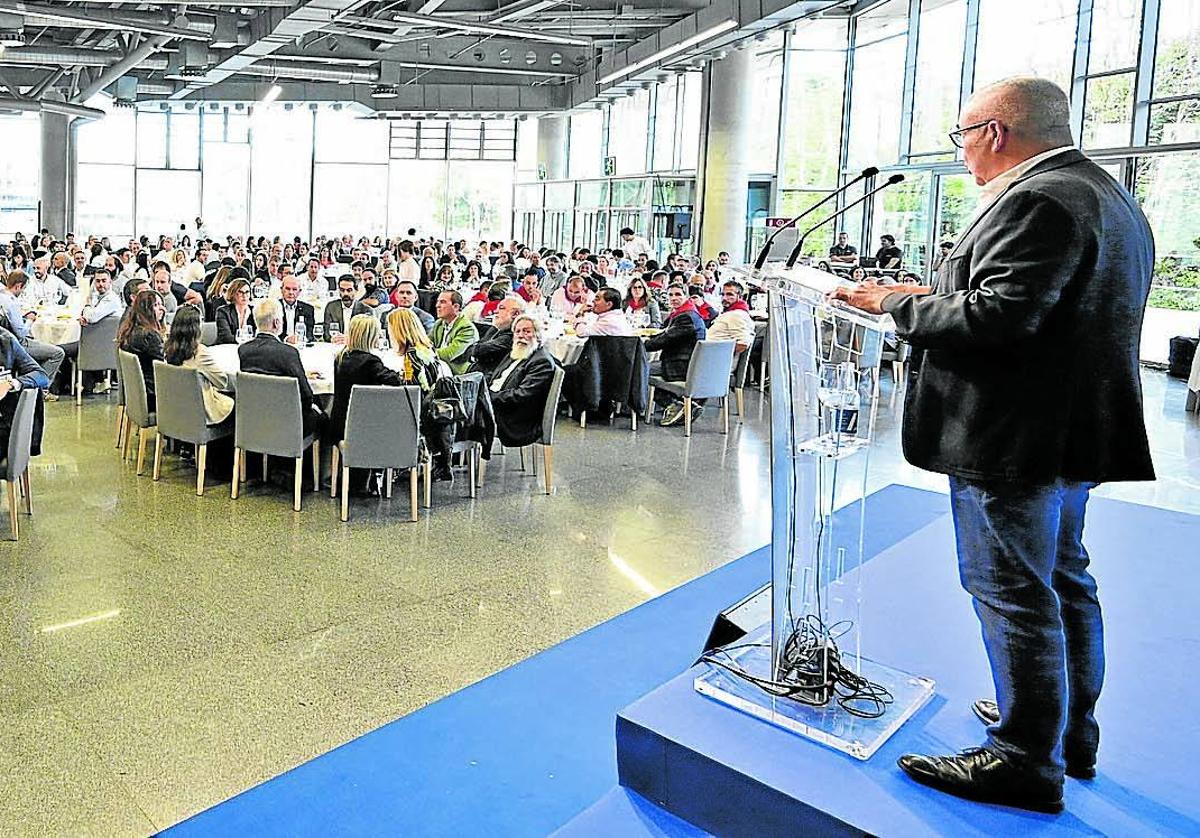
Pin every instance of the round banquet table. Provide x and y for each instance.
(317, 358)
(58, 325)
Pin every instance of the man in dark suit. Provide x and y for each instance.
(295, 311)
(520, 386)
(1026, 393)
(269, 355)
(493, 349)
(337, 314)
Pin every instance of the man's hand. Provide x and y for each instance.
(867, 296)
(193, 296)
(5, 387)
(31, 316)
(290, 340)
(83, 321)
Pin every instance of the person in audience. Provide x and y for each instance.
(357, 364)
(888, 255)
(404, 295)
(521, 384)
(62, 267)
(571, 298)
(639, 299)
(131, 289)
(102, 302)
(555, 277)
(677, 341)
(423, 368)
(236, 314)
(487, 353)
(843, 253)
(339, 312)
(473, 275)
(295, 311)
(453, 333)
(44, 288)
(530, 291)
(161, 282)
(943, 253)
(496, 294)
(24, 373)
(184, 349)
(47, 355)
(407, 267)
(446, 279)
(609, 319)
(141, 333)
(634, 245)
(587, 272)
(858, 274)
(734, 322)
(428, 272)
(505, 268)
(707, 312)
(312, 284)
(269, 355)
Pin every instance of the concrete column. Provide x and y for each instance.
(56, 154)
(552, 137)
(726, 156)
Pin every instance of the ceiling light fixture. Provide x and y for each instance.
(12, 38)
(384, 91)
(629, 69)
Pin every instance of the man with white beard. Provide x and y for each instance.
(521, 384)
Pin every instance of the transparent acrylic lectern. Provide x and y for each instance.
(806, 670)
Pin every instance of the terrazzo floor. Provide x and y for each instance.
(161, 651)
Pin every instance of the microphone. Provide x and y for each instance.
(870, 171)
(796, 251)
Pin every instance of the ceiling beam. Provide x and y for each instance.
(480, 28)
(94, 19)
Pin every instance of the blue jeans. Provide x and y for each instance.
(1021, 557)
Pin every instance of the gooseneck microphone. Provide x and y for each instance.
(894, 179)
(870, 171)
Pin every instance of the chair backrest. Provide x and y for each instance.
(179, 402)
(550, 412)
(136, 405)
(741, 369)
(268, 418)
(208, 334)
(120, 385)
(573, 353)
(98, 344)
(20, 436)
(709, 369)
(382, 427)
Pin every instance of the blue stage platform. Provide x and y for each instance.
(531, 749)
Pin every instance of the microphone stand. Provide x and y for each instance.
(870, 171)
(795, 254)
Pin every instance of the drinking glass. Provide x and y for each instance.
(318, 331)
(837, 392)
(301, 332)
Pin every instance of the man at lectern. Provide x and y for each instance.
(1025, 391)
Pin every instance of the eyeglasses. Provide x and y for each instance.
(956, 136)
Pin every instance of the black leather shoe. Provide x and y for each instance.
(981, 774)
(988, 712)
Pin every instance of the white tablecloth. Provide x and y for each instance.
(58, 325)
(317, 358)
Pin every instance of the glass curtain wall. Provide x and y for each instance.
(20, 174)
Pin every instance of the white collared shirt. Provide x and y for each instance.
(995, 187)
(500, 380)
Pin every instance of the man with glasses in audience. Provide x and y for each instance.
(488, 352)
(555, 277)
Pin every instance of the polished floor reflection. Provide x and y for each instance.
(163, 652)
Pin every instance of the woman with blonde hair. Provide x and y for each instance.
(215, 297)
(236, 314)
(357, 364)
(423, 368)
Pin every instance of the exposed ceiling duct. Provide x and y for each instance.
(132, 59)
(73, 57)
(49, 106)
(36, 14)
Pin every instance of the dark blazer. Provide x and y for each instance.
(27, 371)
(305, 313)
(1027, 351)
(677, 342)
(518, 406)
(332, 314)
(148, 347)
(612, 368)
(352, 368)
(227, 323)
(269, 355)
(489, 352)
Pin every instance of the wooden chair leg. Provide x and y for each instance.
(316, 465)
(128, 431)
(12, 509)
(345, 494)
(239, 474)
(548, 453)
(201, 462)
(333, 471)
(142, 440)
(298, 481)
(120, 424)
(412, 491)
(740, 392)
(158, 446)
(687, 417)
(428, 484)
(387, 477)
(533, 458)
(28, 492)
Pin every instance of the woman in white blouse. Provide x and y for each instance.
(184, 349)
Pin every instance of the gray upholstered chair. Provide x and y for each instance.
(741, 369)
(137, 410)
(549, 422)
(208, 334)
(382, 431)
(120, 405)
(14, 470)
(268, 421)
(764, 364)
(97, 350)
(707, 378)
(181, 416)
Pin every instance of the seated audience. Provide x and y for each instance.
(295, 312)
(337, 315)
(521, 384)
(236, 314)
(677, 342)
(184, 349)
(357, 364)
(571, 298)
(707, 312)
(453, 332)
(734, 322)
(404, 295)
(609, 319)
(496, 294)
(141, 334)
(530, 291)
(423, 368)
(269, 355)
(639, 300)
(489, 351)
